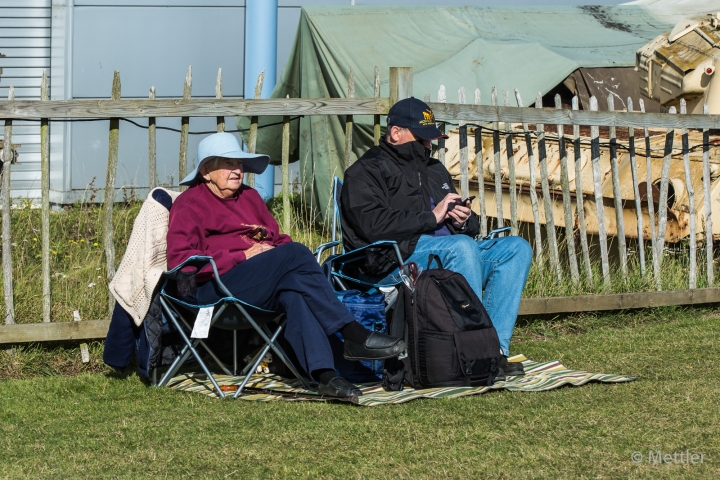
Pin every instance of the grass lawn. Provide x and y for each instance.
(106, 425)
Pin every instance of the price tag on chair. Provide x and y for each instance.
(202, 323)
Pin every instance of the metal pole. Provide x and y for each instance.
(261, 54)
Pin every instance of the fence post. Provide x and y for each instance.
(599, 204)
(580, 196)
(651, 202)
(567, 200)
(463, 143)
(184, 129)
(401, 84)
(252, 134)
(109, 200)
(45, 202)
(547, 199)
(692, 283)
(664, 182)
(499, 217)
(152, 148)
(617, 198)
(218, 94)
(533, 186)
(376, 118)
(348, 122)
(480, 163)
(510, 154)
(636, 191)
(286, 173)
(441, 141)
(708, 202)
(8, 158)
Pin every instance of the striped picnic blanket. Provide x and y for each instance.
(539, 376)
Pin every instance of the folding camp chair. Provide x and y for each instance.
(229, 313)
(340, 264)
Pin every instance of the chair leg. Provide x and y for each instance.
(235, 353)
(255, 364)
(192, 349)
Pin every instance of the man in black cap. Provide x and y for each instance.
(396, 191)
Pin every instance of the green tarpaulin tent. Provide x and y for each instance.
(531, 49)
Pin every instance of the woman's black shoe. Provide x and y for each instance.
(338, 387)
(377, 346)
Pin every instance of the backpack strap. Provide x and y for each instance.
(432, 257)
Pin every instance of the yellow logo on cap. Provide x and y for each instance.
(428, 118)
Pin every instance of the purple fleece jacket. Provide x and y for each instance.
(201, 223)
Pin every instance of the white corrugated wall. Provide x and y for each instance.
(25, 42)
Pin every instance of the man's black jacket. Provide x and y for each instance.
(386, 196)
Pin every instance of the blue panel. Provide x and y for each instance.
(154, 46)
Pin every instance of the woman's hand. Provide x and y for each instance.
(257, 249)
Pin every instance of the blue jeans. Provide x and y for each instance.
(498, 268)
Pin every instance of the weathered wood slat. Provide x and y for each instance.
(252, 133)
(97, 329)
(597, 187)
(211, 107)
(547, 201)
(184, 129)
(496, 161)
(109, 200)
(692, 282)
(348, 122)
(620, 301)
(636, 191)
(152, 147)
(664, 182)
(617, 196)
(463, 140)
(376, 117)
(651, 202)
(401, 84)
(286, 174)
(219, 95)
(708, 205)
(45, 202)
(441, 126)
(53, 332)
(533, 188)
(8, 154)
(580, 212)
(567, 199)
(487, 113)
(480, 172)
(510, 154)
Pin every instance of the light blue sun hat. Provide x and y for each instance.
(226, 145)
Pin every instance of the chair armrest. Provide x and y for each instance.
(199, 262)
(495, 233)
(319, 250)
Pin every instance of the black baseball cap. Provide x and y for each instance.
(416, 116)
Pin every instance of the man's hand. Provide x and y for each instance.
(441, 209)
(257, 249)
(460, 214)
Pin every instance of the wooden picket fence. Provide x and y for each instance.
(466, 115)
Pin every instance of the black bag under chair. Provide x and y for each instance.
(451, 340)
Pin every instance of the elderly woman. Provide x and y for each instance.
(220, 217)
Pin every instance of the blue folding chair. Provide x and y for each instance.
(229, 313)
(340, 264)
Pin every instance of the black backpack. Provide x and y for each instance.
(451, 340)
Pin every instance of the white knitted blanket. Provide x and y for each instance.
(145, 259)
